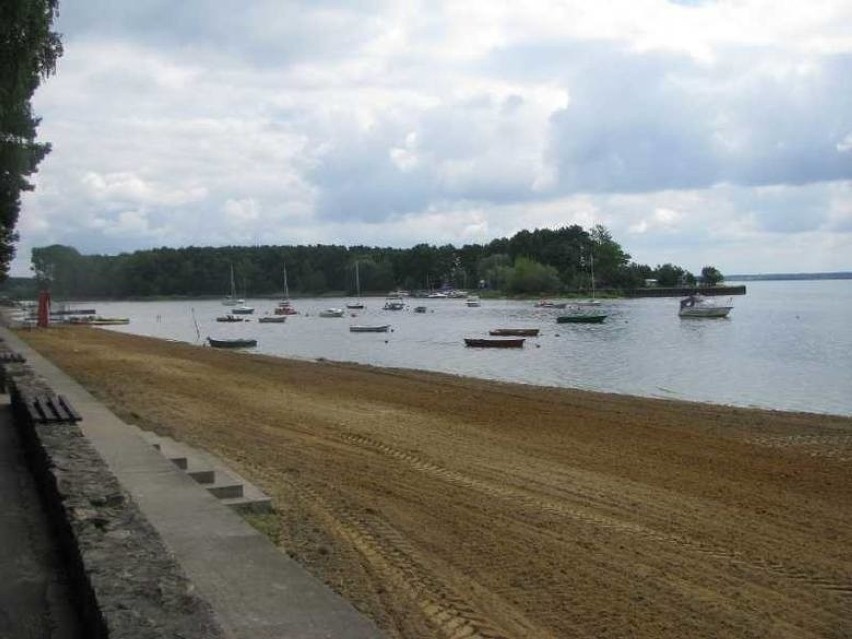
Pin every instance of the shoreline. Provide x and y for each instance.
(430, 499)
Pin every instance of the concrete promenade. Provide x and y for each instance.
(254, 589)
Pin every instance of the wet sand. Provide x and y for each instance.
(452, 507)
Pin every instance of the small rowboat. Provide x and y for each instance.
(383, 328)
(494, 343)
(232, 343)
(272, 319)
(522, 332)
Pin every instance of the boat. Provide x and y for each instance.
(484, 342)
(380, 328)
(272, 319)
(581, 317)
(332, 312)
(97, 320)
(522, 332)
(357, 304)
(232, 342)
(473, 300)
(284, 306)
(230, 318)
(593, 301)
(419, 309)
(393, 303)
(549, 304)
(700, 306)
(242, 309)
(231, 300)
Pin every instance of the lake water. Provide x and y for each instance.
(785, 346)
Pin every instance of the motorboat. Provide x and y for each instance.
(485, 342)
(473, 300)
(242, 309)
(230, 318)
(332, 312)
(394, 303)
(698, 306)
(272, 319)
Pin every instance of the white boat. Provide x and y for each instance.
(700, 306)
(473, 300)
(242, 309)
(357, 304)
(272, 319)
(332, 312)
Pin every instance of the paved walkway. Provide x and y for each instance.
(34, 599)
(256, 591)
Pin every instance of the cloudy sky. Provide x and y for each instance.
(698, 132)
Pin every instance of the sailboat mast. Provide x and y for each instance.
(357, 281)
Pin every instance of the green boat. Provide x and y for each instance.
(581, 318)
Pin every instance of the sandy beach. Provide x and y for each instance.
(451, 507)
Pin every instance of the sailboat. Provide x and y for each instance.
(357, 304)
(231, 300)
(284, 306)
(592, 301)
(575, 314)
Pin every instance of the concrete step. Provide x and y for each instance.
(208, 470)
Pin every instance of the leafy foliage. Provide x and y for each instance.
(28, 54)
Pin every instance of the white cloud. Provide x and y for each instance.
(398, 123)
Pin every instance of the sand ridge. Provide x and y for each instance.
(452, 507)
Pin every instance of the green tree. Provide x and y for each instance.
(531, 277)
(28, 54)
(669, 275)
(710, 276)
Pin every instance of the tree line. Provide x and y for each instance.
(539, 262)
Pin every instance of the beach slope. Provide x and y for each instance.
(453, 507)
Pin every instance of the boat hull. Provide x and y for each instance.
(580, 319)
(231, 343)
(697, 313)
(370, 329)
(494, 343)
(273, 319)
(520, 332)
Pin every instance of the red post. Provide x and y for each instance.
(43, 309)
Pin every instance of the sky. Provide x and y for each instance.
(698, 132)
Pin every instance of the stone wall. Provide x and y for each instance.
(126, 583)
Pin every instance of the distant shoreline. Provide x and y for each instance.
(778, 277)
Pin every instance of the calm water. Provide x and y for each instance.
(786, 345)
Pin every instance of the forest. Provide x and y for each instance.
(543, 261)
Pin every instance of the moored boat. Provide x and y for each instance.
(580, 317)
(232, 343)
(362, 328)
(394, 303)
(522, 332)
(698, 306)
(332, 312)
(230, 318)
(272, 319)
(473, 300)
(242, 309)
(484, 342)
